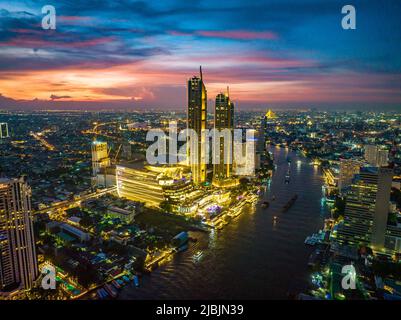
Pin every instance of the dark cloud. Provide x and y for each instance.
(55, 97)
(99, 34)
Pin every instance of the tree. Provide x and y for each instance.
(165, 206)
(339, 207)
(86, 221)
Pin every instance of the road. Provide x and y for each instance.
(76, 201)
(38, 137)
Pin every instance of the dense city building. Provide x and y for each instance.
(118, 183)
(86, 231)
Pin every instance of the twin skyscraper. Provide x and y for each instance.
(197, 121)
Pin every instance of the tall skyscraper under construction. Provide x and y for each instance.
(100, 156)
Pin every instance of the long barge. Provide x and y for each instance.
(290, 203)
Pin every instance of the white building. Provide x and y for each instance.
(376, 156)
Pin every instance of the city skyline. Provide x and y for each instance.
(278, 54)
(105, 218)
(209, 151)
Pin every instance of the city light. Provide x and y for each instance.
(199, 151)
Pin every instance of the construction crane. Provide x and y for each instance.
(118, 152)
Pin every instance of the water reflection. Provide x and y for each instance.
(256, 256)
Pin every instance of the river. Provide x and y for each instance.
(254, 257)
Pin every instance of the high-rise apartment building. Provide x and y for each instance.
(18, 261)
(367, 208)
(196, 120)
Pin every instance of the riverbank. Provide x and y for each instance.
(161, 257)
(255, 257)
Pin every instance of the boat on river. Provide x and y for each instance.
(290, 203)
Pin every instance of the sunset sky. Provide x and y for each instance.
(139, 54)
